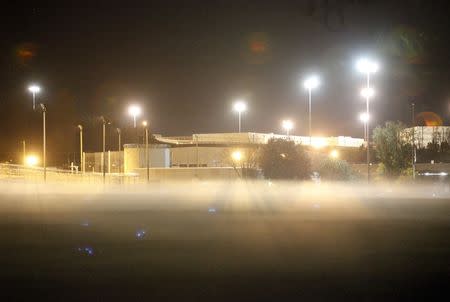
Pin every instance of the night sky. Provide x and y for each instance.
(186, 61)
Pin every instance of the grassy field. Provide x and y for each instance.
(246, 242)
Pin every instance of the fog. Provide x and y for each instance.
(216, 241)
(219, 196)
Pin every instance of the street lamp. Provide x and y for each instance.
(44, 141)
(367, 66)
(31, 160)
(147, 157)
(134, 111)
(236, 156)
(240, 106)
(310, 83)
(81, 149)
(34, 89)
(334, 154)
(367, 92)
(288, 125)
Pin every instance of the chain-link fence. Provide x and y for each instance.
(36, 174)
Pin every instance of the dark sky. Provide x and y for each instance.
(185, 62)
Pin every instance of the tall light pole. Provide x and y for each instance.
(147, 156)
(81, 148)
(288, 125)
(104, 148)
(24, 152)
(367, 67)
(240, 106)
(119, 133)
(310, 83)
(367, 93)
(44, 141)
(364, 118)
(134, 111)
(34, 89)
(413, 116)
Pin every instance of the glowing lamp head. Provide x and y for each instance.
(34, 89)
(334, 154)
(287, 124)
(134, 110)
(311, 82)
(144, 123)
(236, 156)
(364, 117)
(367, 92)
(240, 106)
(31, 160)
(318, 142)
(367, 66)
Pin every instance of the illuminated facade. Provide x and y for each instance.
(423, 135)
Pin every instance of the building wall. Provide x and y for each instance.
(207, 156)
(175, 174)
(134, 157)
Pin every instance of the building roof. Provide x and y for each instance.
(251, 138)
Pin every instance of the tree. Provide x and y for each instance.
(282, 159)
(392, 149)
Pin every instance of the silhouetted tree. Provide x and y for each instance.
(282, 159)
(393, 151)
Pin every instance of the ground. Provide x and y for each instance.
(224, 241)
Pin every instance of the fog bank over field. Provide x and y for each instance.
(261, 196)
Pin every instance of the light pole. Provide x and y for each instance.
(364, 118)
(104, 147)
(134, 111)
(413, 140)
(24, 152)
(120, 147)
(288, 125)
(81, 148)
(34, 89)
(240, 106)
(367, 67)
(44, 142)
(367, 93)
(310, 83)
(147, 157)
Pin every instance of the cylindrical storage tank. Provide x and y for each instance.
(130, 157)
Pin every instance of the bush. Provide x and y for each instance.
(282, 159)
(335, 169)
(393, 151)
